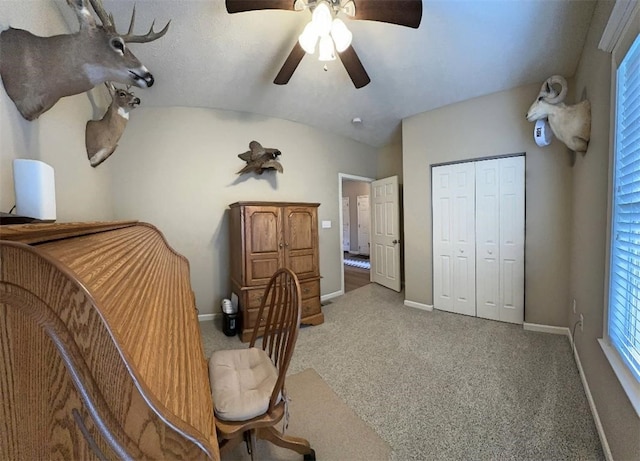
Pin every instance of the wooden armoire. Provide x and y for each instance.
(265, 236)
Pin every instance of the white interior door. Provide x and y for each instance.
(500, 239)
(453, 196)
(346, 225)
(488, 239)
(364, 218)
(442, 208)
(385, 233)
(478, 207)
(512, 203)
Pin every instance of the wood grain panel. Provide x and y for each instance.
(264, 237)
(137, 357)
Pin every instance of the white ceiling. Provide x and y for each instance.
(462, 49)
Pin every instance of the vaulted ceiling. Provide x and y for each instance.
(462, 49)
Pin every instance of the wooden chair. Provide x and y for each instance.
(248, 385)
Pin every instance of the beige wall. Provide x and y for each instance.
(176, 168)
(57, 137)
(589, 245)
(488, 126)
(390, 158)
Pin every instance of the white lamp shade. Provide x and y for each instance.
(325, 49)
(341, 35)
(308, 38)
(322, 18)
(35, 189)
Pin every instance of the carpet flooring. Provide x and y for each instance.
(441, 386)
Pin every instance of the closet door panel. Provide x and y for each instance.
(464, 282)
(488, 239)
(442, 207)
(512, 206)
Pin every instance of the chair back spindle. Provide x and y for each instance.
(283, 300)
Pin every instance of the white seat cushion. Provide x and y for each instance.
(241, 383)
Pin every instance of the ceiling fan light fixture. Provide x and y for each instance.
(322, 18)
(308, 38)
(341, 35)
(326, 51)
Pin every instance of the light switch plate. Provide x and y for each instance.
(326, 224)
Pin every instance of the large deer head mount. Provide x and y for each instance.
(38, 71)
(102, 136)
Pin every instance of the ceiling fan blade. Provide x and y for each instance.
(401, 12)
(290, 65)
(238, 6)
(354, 67)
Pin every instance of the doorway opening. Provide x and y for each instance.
(355, 193)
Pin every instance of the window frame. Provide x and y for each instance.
(629, 383)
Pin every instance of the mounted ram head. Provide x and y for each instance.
(570, 124)
(38, 71)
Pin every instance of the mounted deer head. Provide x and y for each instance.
(38, 71)
(102, 136)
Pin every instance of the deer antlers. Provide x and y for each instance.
(107, 23)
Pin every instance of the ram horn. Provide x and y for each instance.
(554, 98)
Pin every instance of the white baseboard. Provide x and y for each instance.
(205, 317)
(424, 307)
(329, 296)
(594, 412)
(547, 329)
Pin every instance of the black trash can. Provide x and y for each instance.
(229, 324)
(229, 318)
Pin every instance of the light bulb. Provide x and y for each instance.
(322, 18)
(308, 38)
(341, 35)
(325, 49)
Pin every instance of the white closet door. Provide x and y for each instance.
(512, 239)
(500, 239)
(442, 208)
(453, 194)
(488, 239)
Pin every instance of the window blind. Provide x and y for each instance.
(624, 283)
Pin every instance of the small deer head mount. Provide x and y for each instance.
(102, 136)
(38, 71)
(260, 159)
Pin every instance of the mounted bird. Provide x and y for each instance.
(260, 159)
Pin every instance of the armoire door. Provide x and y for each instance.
(263, 240)
(300, 237)
(500, 239)
(453, 201)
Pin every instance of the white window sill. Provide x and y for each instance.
(630, 385)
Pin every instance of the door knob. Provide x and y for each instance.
(490, 252)
(395, 241)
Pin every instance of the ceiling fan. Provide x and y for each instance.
(329, 33)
